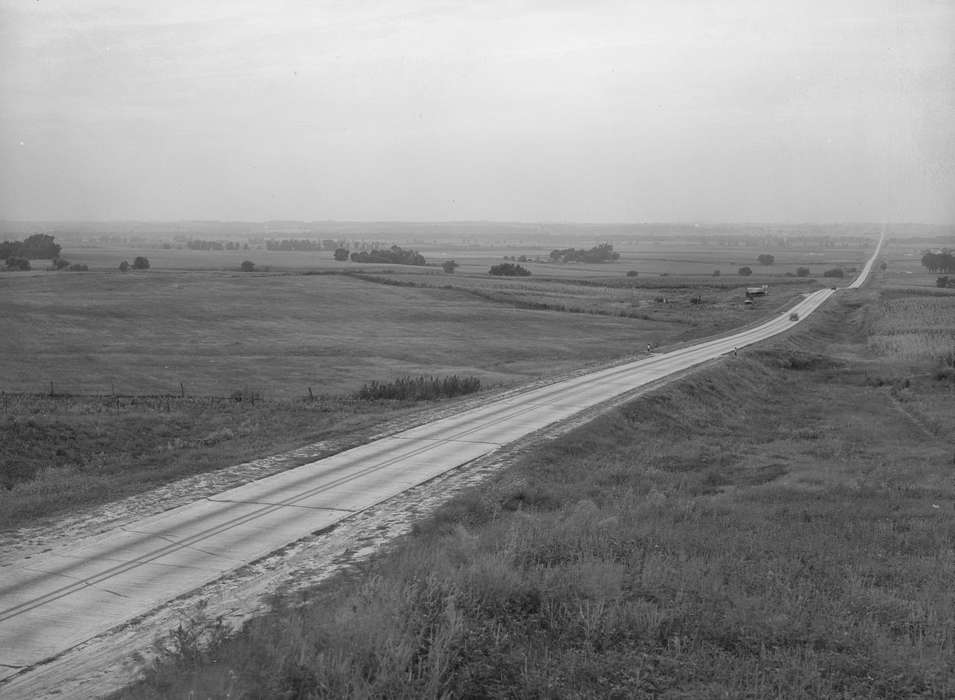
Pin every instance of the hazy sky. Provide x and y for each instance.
(638, 110)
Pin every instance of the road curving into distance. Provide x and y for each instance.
(54, 601)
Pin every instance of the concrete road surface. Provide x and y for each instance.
(54, 601)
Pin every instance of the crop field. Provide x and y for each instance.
(779, 525)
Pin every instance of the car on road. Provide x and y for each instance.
(793, 316)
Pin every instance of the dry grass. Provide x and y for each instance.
(766, 528)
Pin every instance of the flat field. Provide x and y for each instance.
(778, 525)
(217, 333)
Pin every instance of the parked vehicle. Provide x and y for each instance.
(793, 316)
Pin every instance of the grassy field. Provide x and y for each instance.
(778, 525)
(280, 334)
(140, 365)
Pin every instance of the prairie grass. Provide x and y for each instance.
(768, 527)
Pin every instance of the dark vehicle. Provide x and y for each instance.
(793, 316)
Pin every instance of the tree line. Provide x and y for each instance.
(392, 256)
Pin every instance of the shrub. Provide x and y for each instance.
(247, 266)
(419, 388)
(834, 272)
(141, 263)
(745, 271)
(716, 273)
(59, 264)
(632, 273)
(766, 259)
(124, 266)
(449, 266)
(79, 267)
(509, 270)
(341, 254)
(16, 263)
(944, 281)
(802, 272)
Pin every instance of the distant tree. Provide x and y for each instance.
(766, 259)
(140, 263)
(341, 254)
(124, 266)
(883, 266)
(8, 249)
(79, 267)
(449, 266)
(59, 264)
(716, 273)
(509, 270)
(17, 263)
(745, 271)
(802, 272)
(834, 272)
(40, 246)
(633, 273)
(247, 266)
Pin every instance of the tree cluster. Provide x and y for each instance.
(39, 246)
(509, 270)
(766, 259)
(213, 245)
(745, 271)
(943, 261)
(945, 281)
(139, 263)
(295, 244)
(391, 256)
(598, 254)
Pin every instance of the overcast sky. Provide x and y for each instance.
(649, 110)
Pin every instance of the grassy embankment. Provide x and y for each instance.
(779, 525)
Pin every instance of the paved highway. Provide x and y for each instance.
(54, 601)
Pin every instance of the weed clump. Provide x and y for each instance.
(419, 388)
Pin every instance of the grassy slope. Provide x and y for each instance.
(780, 525)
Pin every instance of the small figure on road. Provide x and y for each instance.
(649, 349)
(734, 351)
